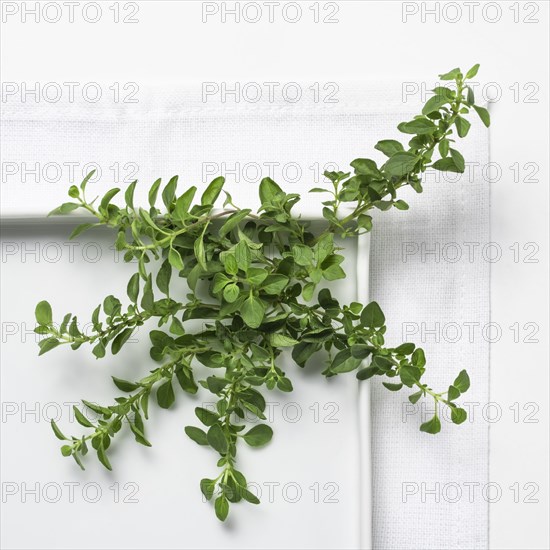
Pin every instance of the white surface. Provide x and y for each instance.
(315, 489)
(371, 41)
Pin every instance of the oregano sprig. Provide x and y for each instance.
(263, 276)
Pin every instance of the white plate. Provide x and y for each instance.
(314, 478)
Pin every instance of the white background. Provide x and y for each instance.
(371, 41)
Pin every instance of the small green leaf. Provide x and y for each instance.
(43, 313)
(169, 192)
(259, 435)
(405, 349)
(129, 194)
(462, 126)
(219, 281)
(208, 486)
(303, 255)
(106, 200)
(269, 190)
(473, 71)
(458, 415)
(200, 252)
(186, 381)
(175, 260)
(253, 311)
(148, 300)
(307, 291)
(163, 277)
(165, 395)
(111, 305)
(208, 418)
(389, 147)
(365, 167)
(418, 126)
(233, 221)
(361, 351)
(124, 385)
(140, 437)
(120, 340)
(483, 115)
(47, 345)
(400, 164)
(284, 384)
(413, 398)
(197, 435)
(392, 387)
(364, 222)
(274, 284)
(230, 264)
(216, 385)
(453, 393)
(333, 272)
(256, 276)
(372, 316)
(183, 204)
(216, 439)
(443, 148)
(222, 508)
(103, 458)
(418, 358)
(435, 103)
(458, 160)
(66, 450)
(212, 191)
(278, 340)
(81, 419)
(446, 164)
(153, 192)
(85, 181)
(65, 208)
(462, 382)
(344, 362)
(470, 97)
(433, 426)
(57, 431)
(133, 288)
(410, 375)
(248, 496)
(231, 292)
(99, 350)
(451, 75)
(79, 229)
(401, 205)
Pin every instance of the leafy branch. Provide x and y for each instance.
(263, 274)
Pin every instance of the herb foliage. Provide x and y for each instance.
(263, 273)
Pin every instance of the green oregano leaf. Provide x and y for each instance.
(483, 115)
(259, 435)
(43, 313)
(213, 191)
(433, 426)
(197, 435)
(372, 316)
(222, 508)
